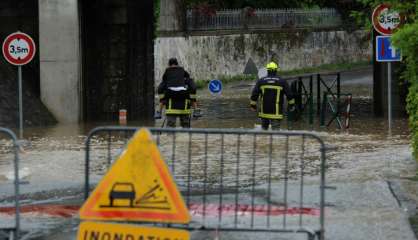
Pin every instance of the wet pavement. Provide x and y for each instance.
(369, 169)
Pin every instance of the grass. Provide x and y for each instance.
(413, 220)
(414, 223)
(227, 79)
(414, 178)
(323, 68)
(326, 68)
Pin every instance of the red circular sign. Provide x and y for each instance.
(18, 48)
(385, 20)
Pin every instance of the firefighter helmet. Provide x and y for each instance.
(272, 66)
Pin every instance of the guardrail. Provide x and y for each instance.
(234, 180)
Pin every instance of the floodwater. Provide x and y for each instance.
(364, 164)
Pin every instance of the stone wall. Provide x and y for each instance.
(208, 57)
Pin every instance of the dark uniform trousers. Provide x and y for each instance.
(270, 92)
(177, 91)
(184, 120)
(265, 123)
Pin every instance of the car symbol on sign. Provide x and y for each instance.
(122, 191)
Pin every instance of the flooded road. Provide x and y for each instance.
(368, 166)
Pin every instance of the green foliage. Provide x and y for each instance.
(362, 18)
(363, 14)
(157, 8)
(407, 40)
(335, 67)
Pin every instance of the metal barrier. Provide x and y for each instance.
(233, 19)
(332, 100)
(335, 84)
(233, 180)
(331, 104)
(303, 95)
(12, 232)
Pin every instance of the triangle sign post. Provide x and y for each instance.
(138, 187)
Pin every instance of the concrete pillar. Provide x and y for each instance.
(59, 53)
(172, 16)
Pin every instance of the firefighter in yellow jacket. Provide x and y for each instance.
(270, 91)
(177, 93)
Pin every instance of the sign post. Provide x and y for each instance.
(390, 98)
(19, 49)
(385, 52)
(385, 21)
(19, 77)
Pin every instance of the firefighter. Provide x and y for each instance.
(177, 93)
(270, 90)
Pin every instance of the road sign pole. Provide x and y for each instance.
(19, 49)
(19, 76)
(390, 98)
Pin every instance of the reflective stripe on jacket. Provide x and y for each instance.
(177, 91)
(270, 92)
(178, 107)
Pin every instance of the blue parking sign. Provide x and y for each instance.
(385, 51)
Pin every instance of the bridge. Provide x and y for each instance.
(96, 57)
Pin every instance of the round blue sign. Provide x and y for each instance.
(215, 86)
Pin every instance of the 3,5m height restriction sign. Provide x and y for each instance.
(19, 49)
(385, 20)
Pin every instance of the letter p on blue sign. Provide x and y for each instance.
(385, 51)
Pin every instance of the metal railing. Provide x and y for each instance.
(302, 89)
(12, 232)
(234, 19)
(233, 180)
(340, 112)
(338, 103)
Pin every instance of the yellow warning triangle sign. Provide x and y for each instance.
(138, 187)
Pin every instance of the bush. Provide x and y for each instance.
(407, 40)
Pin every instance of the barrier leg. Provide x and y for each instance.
(311, 113)
(323, 109)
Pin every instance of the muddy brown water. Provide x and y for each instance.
(53, 157)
